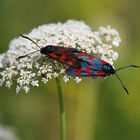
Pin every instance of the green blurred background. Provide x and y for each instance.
(96, 110)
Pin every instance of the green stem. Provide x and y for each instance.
(62, 111)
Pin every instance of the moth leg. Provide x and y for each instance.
(45, 58)
(53, 64)
(51, 61)
(64, 66)
(48, 59)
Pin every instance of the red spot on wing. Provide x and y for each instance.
(91, 63)
(53, 55)
(63, 57)
(100, 72)
(78, 71)
(91, 57)
(71, 62)
(88, 70)
(80, 54)
(104, 62)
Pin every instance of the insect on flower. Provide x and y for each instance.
(95, 67)
(78, 62)
(61, 54)
(76, 35)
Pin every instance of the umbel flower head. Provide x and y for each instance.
(28, 71)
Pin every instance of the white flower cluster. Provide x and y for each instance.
(74, 34)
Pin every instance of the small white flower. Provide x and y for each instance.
(55, 75)
(26, 89)
(44, 80)
(66, 78)
(49, 75)
(35, 83)
(29, 65)
(37, 65)
(18, 89)
(116, 41)
(1, 59)
(62, 71)
(8, 84)
(115, 56)
(1, 82)
(73, 34)
(77, 79)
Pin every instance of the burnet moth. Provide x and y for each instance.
(80, 64)
(62, 54)
(95, 67)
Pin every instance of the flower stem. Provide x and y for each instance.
(62, 111)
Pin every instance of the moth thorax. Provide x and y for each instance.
(47, 49)
(108, 69)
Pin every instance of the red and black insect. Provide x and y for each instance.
(94, 67)
(62, 54)
(80, 64)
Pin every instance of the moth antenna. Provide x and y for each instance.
(122, 83)
(22, 56)
(30, 40)
(134, 66)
